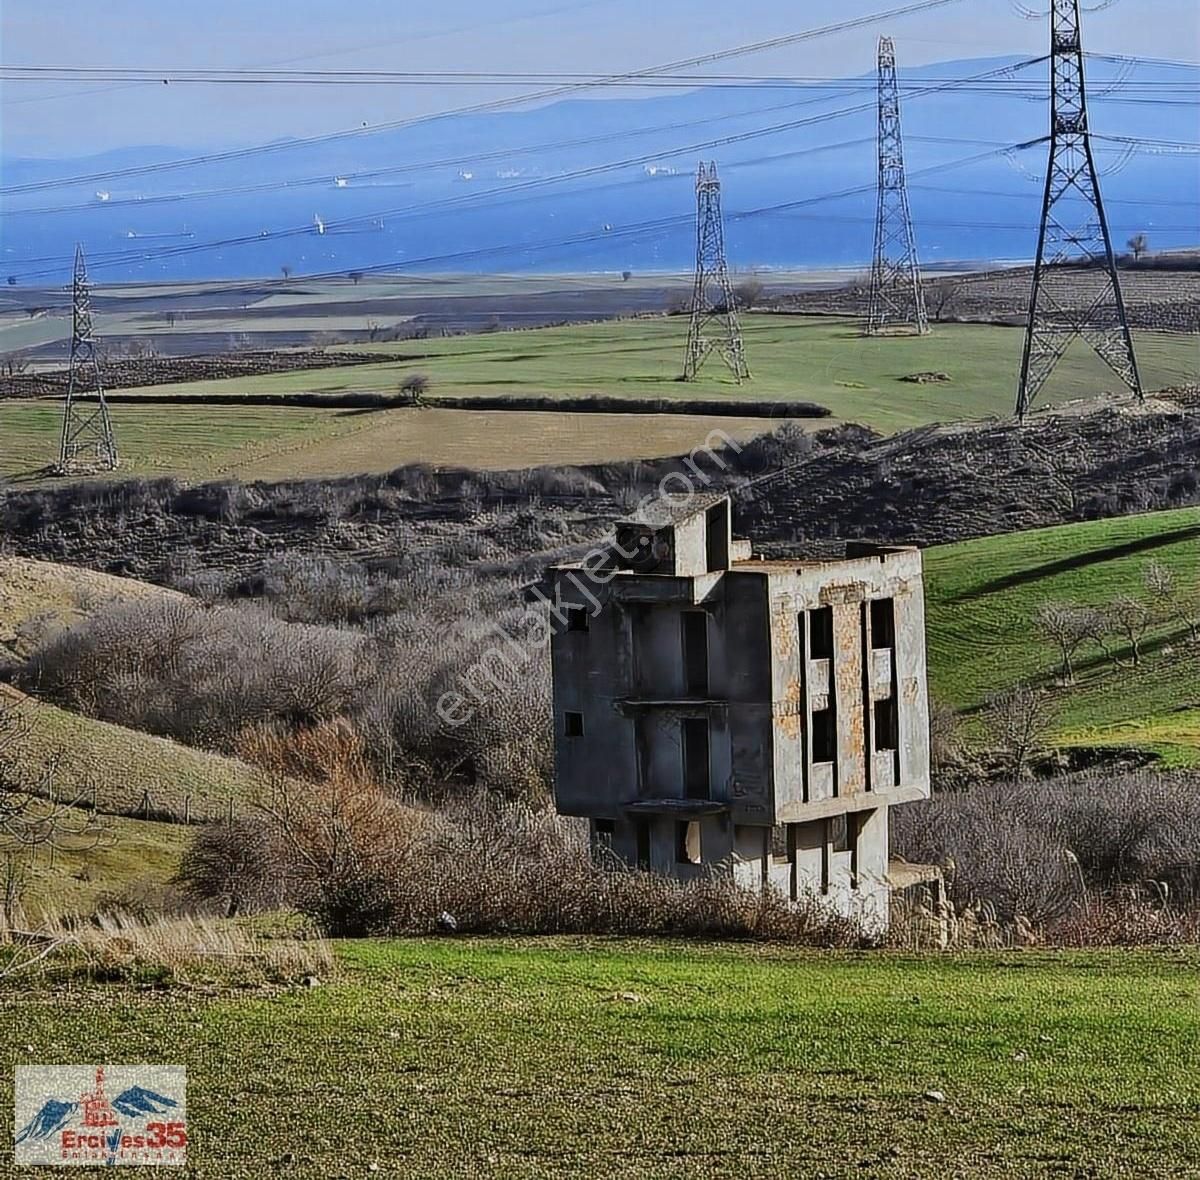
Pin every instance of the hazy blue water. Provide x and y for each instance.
(990, 211)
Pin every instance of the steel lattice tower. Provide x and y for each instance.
(712, 295)
(1076, 291)
(87, 426)
(896, 295)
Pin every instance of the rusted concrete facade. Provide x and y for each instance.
(715, 713)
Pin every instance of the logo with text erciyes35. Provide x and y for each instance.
(98, 1115)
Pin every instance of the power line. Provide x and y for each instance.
(480, 108)
(129, 258)
(40, 74)
(419, 166)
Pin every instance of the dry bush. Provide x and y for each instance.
(225, 867)
(206, 676)
(116, 946)
(1038, 850)
(364, 864)
(1124, 920)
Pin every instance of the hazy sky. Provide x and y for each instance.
(545, 35)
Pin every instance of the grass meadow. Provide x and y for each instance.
(805, 358)
(567, 1057)
(982, 597)
(792, 357)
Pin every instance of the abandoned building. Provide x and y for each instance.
(717, 713)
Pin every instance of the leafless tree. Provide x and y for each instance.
(748, 292)
(1131, 618)
(1017, 722)
(415, 386)
(940, 298)
(1172, 603)
(1138, 245)
(35, 817)
(1069, 627)
(286, 271)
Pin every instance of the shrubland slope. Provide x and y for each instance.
(38, 596)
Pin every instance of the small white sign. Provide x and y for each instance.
(100, 1115)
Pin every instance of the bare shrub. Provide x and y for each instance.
(224, 865)
(200, 676)
(362, 863)
(1125, 920)
(1069, 627)
(1039, 849)
(1017, 723)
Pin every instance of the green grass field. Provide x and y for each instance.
(982, 596)
(139, 856)
(793, 358)
(617, 1059)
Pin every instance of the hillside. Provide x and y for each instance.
(982, 598)
(37, 596)
(126, 768)
(131, 859)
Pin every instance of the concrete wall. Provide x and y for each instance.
(625, 676)
(851, 882)
(857, 676)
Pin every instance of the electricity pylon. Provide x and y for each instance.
(1076, 291)
(712, 296)
(86, 426)
(897, 299)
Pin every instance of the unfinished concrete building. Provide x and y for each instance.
(716, 713)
